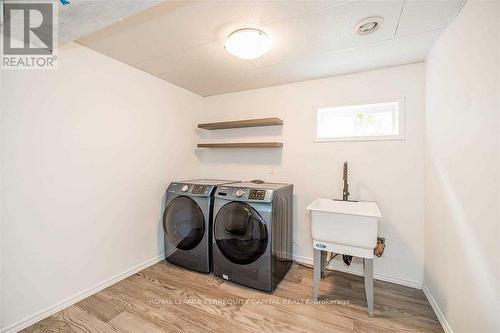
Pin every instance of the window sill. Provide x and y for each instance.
(361, 138)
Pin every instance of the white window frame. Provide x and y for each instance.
(400, 136)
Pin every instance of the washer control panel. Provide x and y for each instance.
(244, 194)
(257, 195)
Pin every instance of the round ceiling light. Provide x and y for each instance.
(368, 25)
(248, 43)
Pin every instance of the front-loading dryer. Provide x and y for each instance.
(252, 242)
(187, 223)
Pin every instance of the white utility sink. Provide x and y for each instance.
(346, 227)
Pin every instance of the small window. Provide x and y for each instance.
(382, 121)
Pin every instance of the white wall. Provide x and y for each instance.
(87, 152)
(462, 200)
(389, 172)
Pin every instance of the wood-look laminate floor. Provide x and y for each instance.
(166, 298)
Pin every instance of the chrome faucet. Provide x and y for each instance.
(345, 190)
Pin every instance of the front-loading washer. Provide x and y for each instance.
(187, 223)
(252, 241)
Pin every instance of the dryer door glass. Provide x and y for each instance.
(240, 233)
(183, 223)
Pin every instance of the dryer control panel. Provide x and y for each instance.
(199, 189)
(191, 189)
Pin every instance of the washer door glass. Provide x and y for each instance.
(240, 233)
(184, 223)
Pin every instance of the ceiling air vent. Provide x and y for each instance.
(368, 25)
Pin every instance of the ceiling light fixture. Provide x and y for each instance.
(368, 25)
(248, 43)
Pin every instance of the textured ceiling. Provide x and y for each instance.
(83, 17)
(183, 42)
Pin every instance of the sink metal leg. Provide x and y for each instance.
(368, 265)
(324, 255)
(317, 273)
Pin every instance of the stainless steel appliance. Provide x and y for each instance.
(252, 243)
(187, 223)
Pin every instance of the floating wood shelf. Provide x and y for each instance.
(242, 123)
(242, 145)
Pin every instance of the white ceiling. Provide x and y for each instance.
(183, 42)
(82, 17)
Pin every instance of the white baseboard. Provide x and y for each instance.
(79, 296)
(357, 271)
(437, 310)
